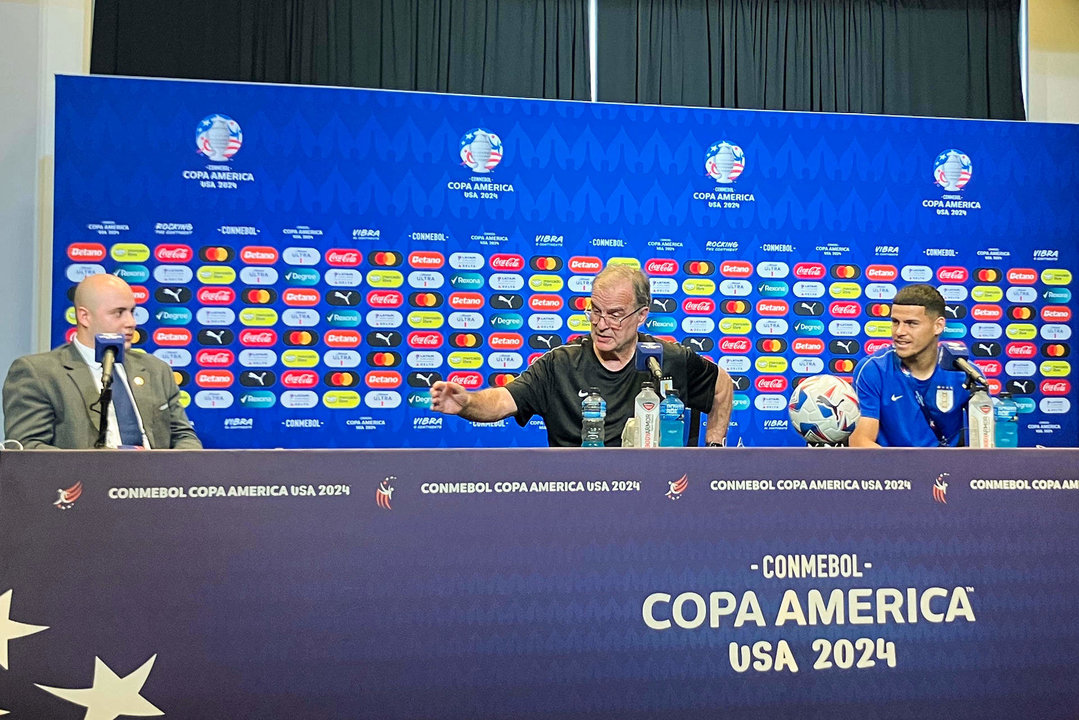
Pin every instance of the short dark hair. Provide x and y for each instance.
(922, 295)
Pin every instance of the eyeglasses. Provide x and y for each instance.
(614, 319)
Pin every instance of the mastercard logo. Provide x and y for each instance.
(842, 365)
(216, 253)
(466, 340)
(181, 377)
(735, 307)
(988, 275)
(545, 263)
(580, 303)
(1056, 350)
(383, 358)
(341, 378)
(879, 310)
(385, 258)
(258, 296)
(500, 379)
(771, 345)
(845, 272)
(1021, 312)
(300, 337)
(425, 299)
(699, 267)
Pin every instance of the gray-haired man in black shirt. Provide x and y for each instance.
(553, 385)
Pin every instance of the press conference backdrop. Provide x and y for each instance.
(310, 260)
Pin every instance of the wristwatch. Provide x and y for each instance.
(711, 444)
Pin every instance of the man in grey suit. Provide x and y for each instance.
(50, 399)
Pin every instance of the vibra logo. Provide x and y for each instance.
(585, 264)
(259, 255)
(174, 253)
(506, 262)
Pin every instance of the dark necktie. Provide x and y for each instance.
(126, 420)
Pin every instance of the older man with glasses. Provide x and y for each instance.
(553, 386)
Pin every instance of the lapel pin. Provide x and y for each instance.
(138, 380)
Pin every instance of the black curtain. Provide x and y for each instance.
(522, 48)
(945, 58)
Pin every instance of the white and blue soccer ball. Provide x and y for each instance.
(823, 410)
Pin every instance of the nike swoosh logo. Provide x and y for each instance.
(896, 397)
(582, 393)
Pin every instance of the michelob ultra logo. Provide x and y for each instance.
(130, 252)
(845, 290)
(385, 278)
(986, 293)
(216, 275)
(734, 326)
(258, 317)
(425, 319)
(698, 286)
(341, 399)
(1056, 276)
(545, 283)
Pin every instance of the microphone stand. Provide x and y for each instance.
(104, 400)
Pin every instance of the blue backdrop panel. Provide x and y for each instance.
(311, 259)
(438, 584)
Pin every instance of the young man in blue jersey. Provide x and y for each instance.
(905, 399)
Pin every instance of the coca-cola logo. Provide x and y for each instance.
(86, 252)
(845, 309)
(585, 264)
(426, 259)
(213, 378)
(809, 271)
(466, 301)
(1022, 276)
(1056, 313)
(425, 339)
(1055, 387)
(470, 380)
(170, 337)
(807, 346)
(771, 383)
(871, 346)
(953, 274)
(173, 253)
(505, 341)
(505, 261)
(259, 255)
(881, 273)
(341, 338)
(773, 308)
(343, 257)
(699, 306)
(1021, 350)
(216, 295)
(215, 358)
(383, 379)
(736, 269)
(385, 298)
(546, 303)
(661, 266)
(990, 368)
(986, 312)
(302, 297)
(258, 338)
(299, 379)
(734, 345)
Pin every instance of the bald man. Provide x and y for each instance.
(51, 399)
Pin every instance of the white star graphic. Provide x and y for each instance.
(9, 629)
(111, 695)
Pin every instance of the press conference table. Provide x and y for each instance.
(540, 583)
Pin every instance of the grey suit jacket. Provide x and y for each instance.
(48, 398)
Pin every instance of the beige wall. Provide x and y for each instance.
(1054, 60)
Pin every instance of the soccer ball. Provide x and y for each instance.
(823, 410)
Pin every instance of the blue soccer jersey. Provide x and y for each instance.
(889, 394)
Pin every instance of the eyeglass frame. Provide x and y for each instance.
(615, 324)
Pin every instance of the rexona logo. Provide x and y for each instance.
(215, 358)
(506, 262)
(385, 298)
(216, 295)
(1022, 276)
(172, 337)
(585, 264)
(699, 306)
(807, 346)
(426, 259)
(466, 301)
(881, 273)
(466, 281)
(86, 252)
(734, 345)
(259, 255)
(172, 253)
(424, 340)
(736, 269)
(657, 266)
(771, 383)
(301, 297)
(258, 338)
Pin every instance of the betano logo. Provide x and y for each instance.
(259, 255)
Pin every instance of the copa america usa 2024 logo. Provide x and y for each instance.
(218, 137)
(952, 169)
(481, 150)
(724, 162)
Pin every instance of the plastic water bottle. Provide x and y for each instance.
(672, 421)
(646, 410)
(1006, 414)
(593, 413)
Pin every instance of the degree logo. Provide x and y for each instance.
(218, 137)
(952, 170)
(302, 276)
(724, 162)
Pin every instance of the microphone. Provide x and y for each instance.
(650, 360)
(952, 355)
(108, 350)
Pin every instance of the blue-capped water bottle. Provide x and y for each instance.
(1006, 417)
(593, 416)
(672, 421)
